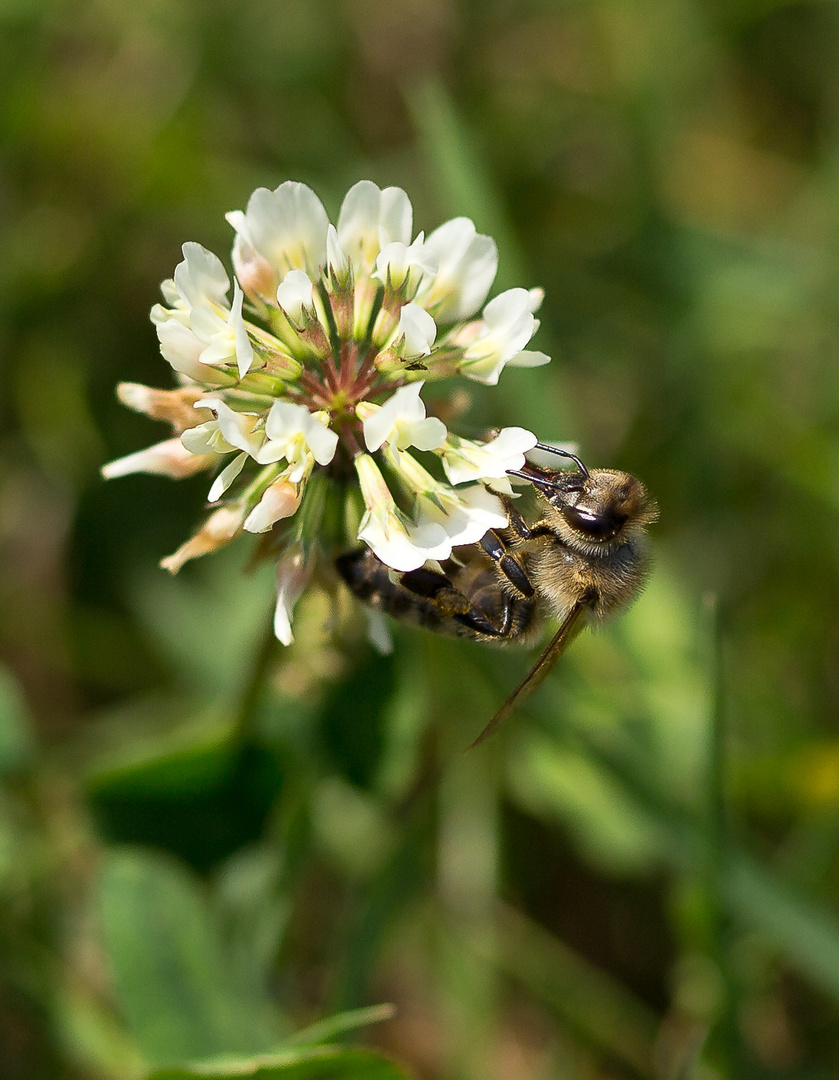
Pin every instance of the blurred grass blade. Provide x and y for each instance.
(461, 178)
(168, 968)
(607, 1016)
(332, 1026)
(807, 936)
(312, 1063)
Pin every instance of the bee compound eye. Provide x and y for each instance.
(595, 525)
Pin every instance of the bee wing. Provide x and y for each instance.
(570, 627)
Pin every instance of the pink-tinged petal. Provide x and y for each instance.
(169, 458)
(279, 501)
(218, 530)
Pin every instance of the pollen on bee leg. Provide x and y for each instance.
(218, 530)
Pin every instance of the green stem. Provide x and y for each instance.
(254, 689)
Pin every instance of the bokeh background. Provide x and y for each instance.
(207, 844)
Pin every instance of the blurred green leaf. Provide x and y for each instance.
(169, 968)
(194, 790)
(314, 1063)
(354, 714)
(16, 737)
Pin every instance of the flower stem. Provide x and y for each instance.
(243, 727)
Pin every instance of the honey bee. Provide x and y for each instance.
(584, 560)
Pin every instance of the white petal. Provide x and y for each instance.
(370, 218)
(226, 477)
(295, 294)
(426, 434)
(244, 349)
(293, 574)
(323, 442)
(201, 278)
(206, 323)
(205, 439)
(286, 419)
(491, 460)
(236, 427)
(286, 226)
(397, 261)
(528, 358)
(182, 349)
(403, 546)
(336, 257)
(468, 264)
(418, 329)
(380, 426)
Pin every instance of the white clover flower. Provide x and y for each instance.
(200, 279)
(507, 326)
(466, 461)
(226, 339)
(286, 228)
(200, 326)
(465, 514)
(415, 334)
(301, 378)
(371, 219)
(389, 533)
(401, 421)
(467, 264)
(298, 436)
(404, 266)
(230, 430)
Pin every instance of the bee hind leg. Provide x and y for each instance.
(453, 604)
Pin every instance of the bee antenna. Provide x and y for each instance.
(562, 453)
(537, 481)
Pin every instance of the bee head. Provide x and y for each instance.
(593, 510)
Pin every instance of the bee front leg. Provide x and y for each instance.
(492, 545)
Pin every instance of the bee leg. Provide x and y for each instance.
(508, 564)
(453, 604)
(519, 526)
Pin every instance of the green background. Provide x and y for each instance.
(206, 845)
